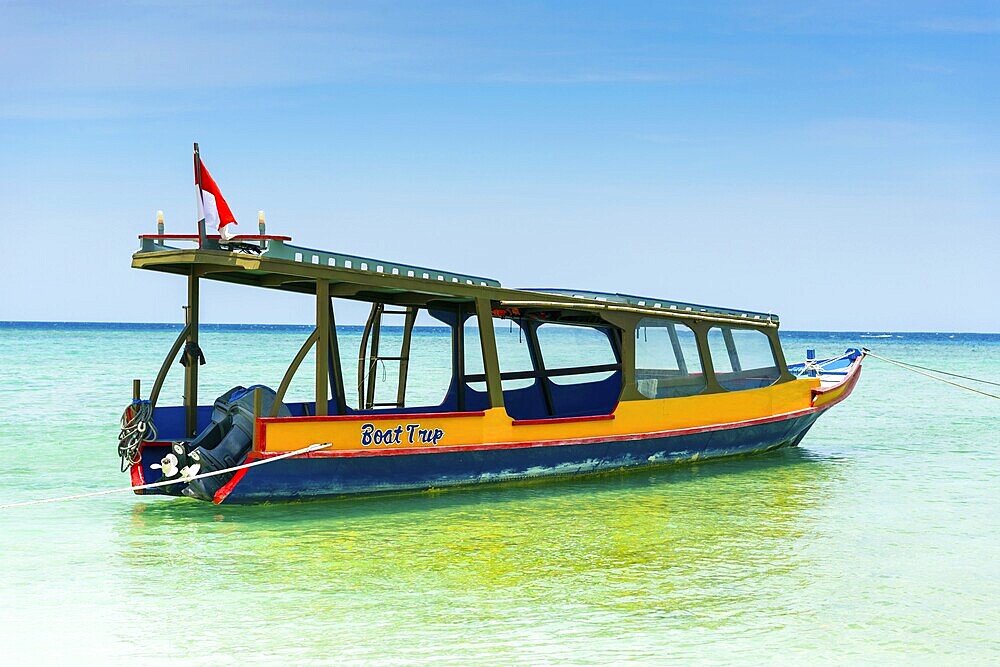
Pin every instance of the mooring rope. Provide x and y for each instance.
(812, 366)
(913, 368)
(934, 370)
(153, 485)
(136, 429)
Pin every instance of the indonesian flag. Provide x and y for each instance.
(212, 206)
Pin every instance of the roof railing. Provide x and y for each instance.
(276, 247)
(361, 263)
(649, 302)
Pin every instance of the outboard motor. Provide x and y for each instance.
(226, 441)
(178, 464)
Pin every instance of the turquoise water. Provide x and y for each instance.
(878, 539)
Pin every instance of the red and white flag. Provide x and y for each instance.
(212, 206)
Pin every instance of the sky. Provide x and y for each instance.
(836, 163)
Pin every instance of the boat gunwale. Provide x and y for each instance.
(847, 383)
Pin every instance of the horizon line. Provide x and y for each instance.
(6, 323)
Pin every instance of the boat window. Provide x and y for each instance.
(474, 354)
(302, 388)
(349, 341)
(666, 359)
(430, 365)
(573, 352)
(743, 358)
(230, 349)
(512, 351)
(428, 362)
(579, 373)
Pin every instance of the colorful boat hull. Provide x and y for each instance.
(390, 471)
(355, 464)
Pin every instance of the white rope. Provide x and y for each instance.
(909, 367)
(153, 485)
(137, 429)
(935, 370)
(817, 367)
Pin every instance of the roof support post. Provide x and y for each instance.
(191, 368)
(458, 356)
(625, 326)
(530, 329)
(734, 357)
(322, 347)
(491, 362)
(700, 330)
(779, 355)
(336, 371)
(675, 344)
(626, 360)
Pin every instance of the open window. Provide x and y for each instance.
(513, 355)
(523, 394)
(743, 358)
(547, 370)
(581, 369)
(667, 364)
(401, 362)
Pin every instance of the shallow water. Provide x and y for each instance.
(877, 539)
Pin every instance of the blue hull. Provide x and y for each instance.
(302, 478)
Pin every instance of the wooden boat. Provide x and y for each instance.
(594, 382)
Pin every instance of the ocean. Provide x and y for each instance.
(876, 540)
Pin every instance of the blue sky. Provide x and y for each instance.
(836, 164)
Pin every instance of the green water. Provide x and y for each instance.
(876, 540)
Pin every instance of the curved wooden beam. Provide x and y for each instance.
(154, 395)
(290, 373)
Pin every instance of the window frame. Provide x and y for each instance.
(684, 361)
(540, 370)
(732, 352)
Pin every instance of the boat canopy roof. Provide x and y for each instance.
(272, 262)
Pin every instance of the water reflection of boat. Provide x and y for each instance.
(594, 381)
(655, 540)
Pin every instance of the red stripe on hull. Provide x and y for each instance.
(849, 381)
(550, 443)
(563, 420)
(135, 475)
(228, 487)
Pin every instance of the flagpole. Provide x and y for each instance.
(201, 197)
